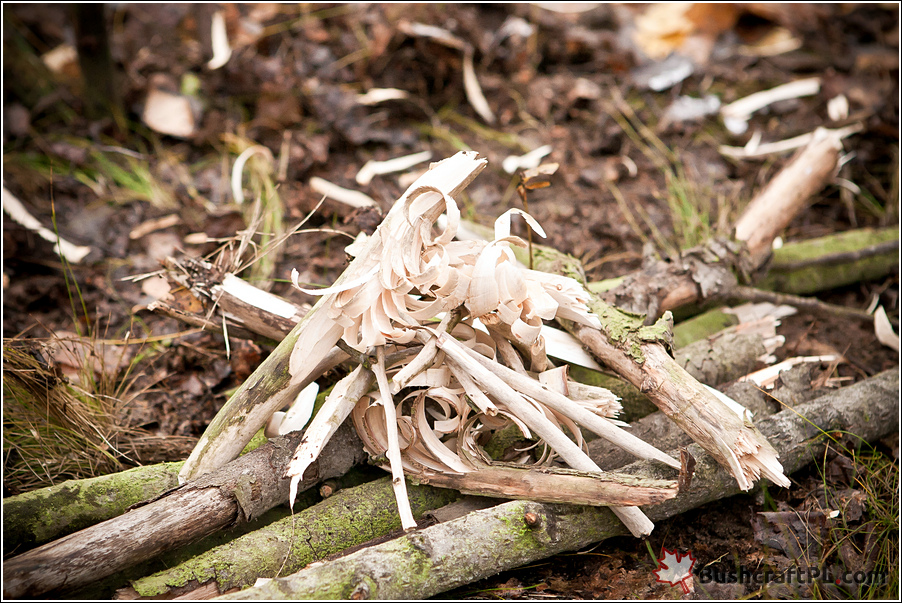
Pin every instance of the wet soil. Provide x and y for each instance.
(572, 81)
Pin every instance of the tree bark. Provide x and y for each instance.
(36, 517)
(348, 518)
(239, 492)
(442, 557)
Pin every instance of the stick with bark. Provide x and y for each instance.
(239, 492)
(711, 270)
(437, 559)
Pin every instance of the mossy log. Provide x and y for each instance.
(36, 517)
(239, 492)
(442, 557)
(348, 518)
(835, 260)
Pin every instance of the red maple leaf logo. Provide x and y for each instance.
(674, 568)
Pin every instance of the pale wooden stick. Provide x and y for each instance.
(338, 405)
(551, 484)
(639, 525)
(781, 200)
(399, 485)
(571, 409)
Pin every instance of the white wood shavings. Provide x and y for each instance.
(68, 251)
(372, 168)
(169, 113)
(737, 113)
(219, 38)
(753, 149)
(530, 160)
(375, 96)
(340, 194)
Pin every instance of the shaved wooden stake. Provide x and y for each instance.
(297, 360)
(335, 410)
(639, 525)
(569, 408)
(399, 485)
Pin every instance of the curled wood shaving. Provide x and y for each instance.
(430, 411)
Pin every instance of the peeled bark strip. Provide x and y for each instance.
(298, 360)
(239, 492)
(36, 517)
(483, 543)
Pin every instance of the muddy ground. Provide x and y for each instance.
(579, 82)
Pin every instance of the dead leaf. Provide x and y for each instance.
(169, 113)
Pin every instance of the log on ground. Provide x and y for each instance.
(33, 518)
(240, 491)
(442, 557)
(348, 518)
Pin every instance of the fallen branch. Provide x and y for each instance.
(220, 300)
(348, 518)
(39, 516)
(787, 194)
(711, 271)
(836, 260)
(239, 492)
(437, 559)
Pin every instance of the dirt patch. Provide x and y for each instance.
(636, 181)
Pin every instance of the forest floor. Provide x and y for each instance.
(638, 176)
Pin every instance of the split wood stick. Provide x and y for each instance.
(636, 353)
(399, 484)
(733, 441)
(248, 312)
(238, 492)
(483, 543)
(553, 485)
(338, 405)
(567, 407)
(573, 455)
(298, 360)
